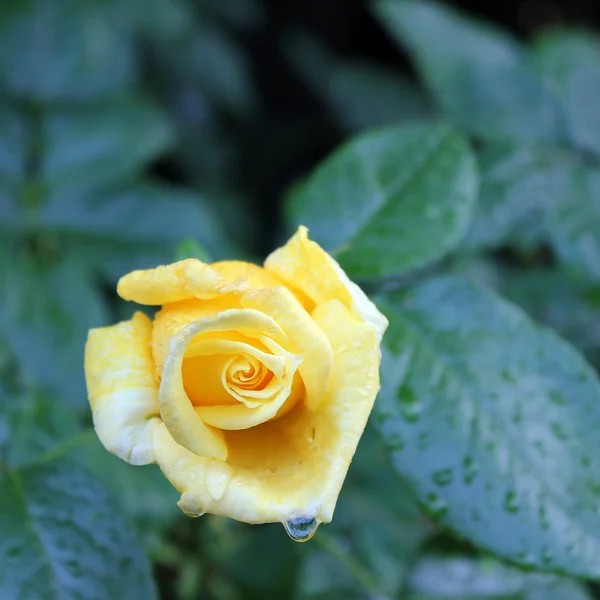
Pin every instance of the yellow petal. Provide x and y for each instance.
(246, 415)
(304, 264)
(244, 274)
(293, 466)
(185, 279)
(119, 373)
(174, 317)
(306, 337)
(176, 410)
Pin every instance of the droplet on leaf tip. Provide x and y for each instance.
(301, 529)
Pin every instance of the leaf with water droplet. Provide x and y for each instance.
(498, 420)
(416, 183)
(64, 525)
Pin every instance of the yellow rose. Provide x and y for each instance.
(250, 388)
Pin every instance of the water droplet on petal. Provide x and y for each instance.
(192, 514)
(301, 529)
(193, 475)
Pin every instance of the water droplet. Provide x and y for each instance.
(470, 469)
(423, 441)
(543, 515)
(301, 529)
(193, 475)
(475, 515)
(557, 398)
(189, 513)
(559, 430)
(357, 343)
(395, 441)
(343, 347)
(507, 375)
(525, 559)
(511, 503)
(517, 416)
(74, 568)
(443, 477)
(435, 505)
(546, 555)
(412, 412)
(410, 406)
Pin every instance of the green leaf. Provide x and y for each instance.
(62, 538)
(569, 62)
(43, 321)
(192, 249)
(358, 94)
(547, 295)
(375, 536)
(143, 494)
(74, 50)
(493, 422)
(470, 578)
(573, 222)
(390, 201)
(477, 74)
(93, 145)
(13, 146)
(516, 190)
(35, 423)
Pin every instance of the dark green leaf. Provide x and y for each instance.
(35, 423)
(493, 421)
(569, 61)
(516, 190)
(45, 319)
(144, 495)
(192, 249)
(470, 578)
(359, 95)
(377, 531)
(390, 201)
(64, 49)
(477, 74)
(62, 539)
(101, 144)
(13, 147)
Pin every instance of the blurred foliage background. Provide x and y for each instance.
(133, 132)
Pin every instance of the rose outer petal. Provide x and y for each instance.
(185, 279)
(303, 264)
(119, 373)
(293, 466)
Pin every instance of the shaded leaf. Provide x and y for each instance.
(477, 74)
(472, 578)
(493, 421)
(65, 49)
(390, 201)
(62, 538)
(94, 145)
(569, 61)
(42, 312)
(358, 94)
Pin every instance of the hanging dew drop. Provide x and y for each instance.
(301, 529)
